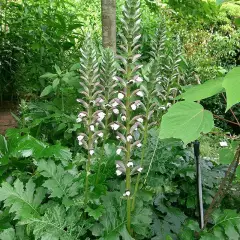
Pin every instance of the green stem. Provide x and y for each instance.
(88, 164)
(145, 139)
(150, 165)
(128, 156)
(62, 101)
(102, 150)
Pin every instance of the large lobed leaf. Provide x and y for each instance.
(53, 225)
(186, 121)
(24, 202)
(60, 183)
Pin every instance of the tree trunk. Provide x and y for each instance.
(109, 24)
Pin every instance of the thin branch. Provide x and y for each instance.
(216, 116)
(231, 111)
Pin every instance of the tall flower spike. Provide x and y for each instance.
(169, 84)
(107, 78)
(152, 89)
(93, 115)
(129, 83)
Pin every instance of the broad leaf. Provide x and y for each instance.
(46, 91)
(238, 172)
(186, 121)
(202, 91)
(49, 75)
(219, 2)
(226, 155)
(23, 202)
(232, 85)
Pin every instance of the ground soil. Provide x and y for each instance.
(6, 118)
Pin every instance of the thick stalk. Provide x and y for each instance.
(128, 155)
(88, 164)
(145, 139)
(102, 150)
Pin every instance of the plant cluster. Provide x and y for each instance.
(88, 163)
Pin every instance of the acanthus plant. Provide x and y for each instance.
(161, 84)
(108, 80)
(129, 105)
(91, 100)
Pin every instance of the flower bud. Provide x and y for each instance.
(129, 138)
(119, 150)
(140, 93)
(92, 128)
(115, 126)
(116, 111)
(120, 96)
(118, 172)
(130, 164)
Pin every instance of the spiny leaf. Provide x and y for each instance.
(60, 183)
(52, 226)
(8, 234)
(186, 121)
(23, 202)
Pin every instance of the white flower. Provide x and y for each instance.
(223, 144)
(138, 103)
(101, 116)
(140, 93)
(133, 106)
(115, 104)
(92, 128)
(116, 111)
(100, 134)
(140, 169)
(82, 114)
(120, 95)
(119, 150)
(80, 137)
(163, 108)
(115, 126)
(139, 145)
(127, 194)
(139, 79)
(130, 164)
(79, 120)
(129, 138)
(118, 172)
(117, 165)
(96, 141)
(123, 118)
(91, 152)
(101, 100)
(140, 120)
(169, 104)
(117, 137)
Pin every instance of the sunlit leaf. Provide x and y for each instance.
(202, 91)
(46, 91)
(232, 85)
(226, 155)
(186, 121)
